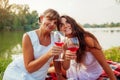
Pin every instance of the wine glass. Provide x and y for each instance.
(72, 44)
(59, 41)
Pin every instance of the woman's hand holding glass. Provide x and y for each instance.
(59, 41)
(56, 50)
(69, 55)
(72, 47)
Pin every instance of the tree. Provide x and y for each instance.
(5, 17)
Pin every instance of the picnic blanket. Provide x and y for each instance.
(114, 65)
(116, 69)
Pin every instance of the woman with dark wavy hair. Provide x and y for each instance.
(89, 59)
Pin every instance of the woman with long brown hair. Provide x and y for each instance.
(89, 59)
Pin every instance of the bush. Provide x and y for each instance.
(113, 54)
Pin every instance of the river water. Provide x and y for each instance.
(107, 37)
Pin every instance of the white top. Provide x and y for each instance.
(91, 70)
(17, 67)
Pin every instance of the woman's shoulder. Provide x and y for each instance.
(30, 35)
(91, 42)
(31, 32)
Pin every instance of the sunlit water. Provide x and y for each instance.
(107, 37)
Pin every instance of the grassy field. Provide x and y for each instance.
(111, 54)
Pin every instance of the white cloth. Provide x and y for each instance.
(91, 69)
(16, 70)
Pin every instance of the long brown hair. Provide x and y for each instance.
(78, 31)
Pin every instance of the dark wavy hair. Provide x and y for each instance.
(78, 31)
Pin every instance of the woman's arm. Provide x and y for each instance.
(30, 62)
(95, 49)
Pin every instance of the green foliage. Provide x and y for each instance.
(16, 17)
(113, 54)
(4, 18)
(105, 25)
(3, 64)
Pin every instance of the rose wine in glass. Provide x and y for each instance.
(73, 49)
(59, 41)
(73, 44)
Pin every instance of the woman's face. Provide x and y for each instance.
(65, 27)
(49, 24)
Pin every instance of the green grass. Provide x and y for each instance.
(3, 64)
(113, 54)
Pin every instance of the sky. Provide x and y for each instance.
(83, 11)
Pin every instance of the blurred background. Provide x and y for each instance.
(100, 17)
